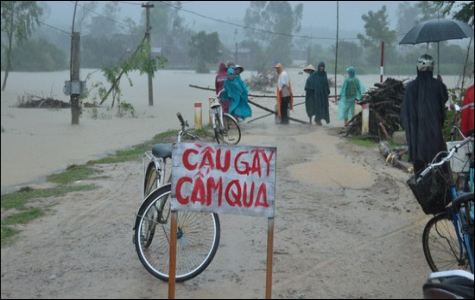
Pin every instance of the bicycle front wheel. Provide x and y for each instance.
(229, 132)
(441, 246)
(197, 237)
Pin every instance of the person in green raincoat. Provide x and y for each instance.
(352, 89)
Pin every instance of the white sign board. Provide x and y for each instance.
(223, 179)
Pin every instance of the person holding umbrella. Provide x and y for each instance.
(423, 114)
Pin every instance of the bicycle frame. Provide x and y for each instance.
(460, 221)
(225, 126)
(216, 110)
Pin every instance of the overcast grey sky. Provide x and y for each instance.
(315, 13)
(321, 14)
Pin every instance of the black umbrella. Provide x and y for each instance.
(437, 30)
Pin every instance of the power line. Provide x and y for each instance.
(101, 15)
(257, 29)
(60, 30)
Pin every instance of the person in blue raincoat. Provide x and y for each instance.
(237, 96)
(237, 76)
(351, 90)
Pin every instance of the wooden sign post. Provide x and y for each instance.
(225, 179)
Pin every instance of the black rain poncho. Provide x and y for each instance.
(322, 90)
(423, 115)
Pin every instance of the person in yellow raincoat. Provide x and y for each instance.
(285, 98)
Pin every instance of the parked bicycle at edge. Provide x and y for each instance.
(198, 233)
(447, 240)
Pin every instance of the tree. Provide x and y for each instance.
(427, 11)
(349, 54)
(140, 60)
(104, 25)
(272, 23)
(18, 21)
(408, 16)
(38, 55)
(377, 30)
(204, 48)
(464, 14)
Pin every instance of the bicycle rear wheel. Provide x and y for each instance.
(151, 179)
(229, 132)
(440, 245)
(198, 237)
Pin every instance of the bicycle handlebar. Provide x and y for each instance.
(183, 123)
(180, 117)
(443, 160)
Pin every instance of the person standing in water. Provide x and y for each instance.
(284, 94)
(322, 91)
(310, 101)
(352, 89)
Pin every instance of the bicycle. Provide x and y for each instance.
(225, 126)
(447, 239)
(198, 234)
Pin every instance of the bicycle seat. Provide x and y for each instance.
(455, 284)
(162, 150)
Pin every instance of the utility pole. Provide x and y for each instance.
(75, 83)
(149, 41)
(336, 45)
(74, 87)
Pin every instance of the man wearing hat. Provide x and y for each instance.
(310, 100)
(309, 69)
(284, 95)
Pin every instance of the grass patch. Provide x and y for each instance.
(121, 156)
(361, 140)
(18, 199)
(8, 235)
(23, 217)
(71, 174)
